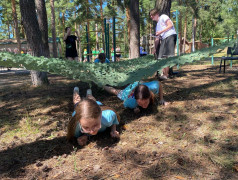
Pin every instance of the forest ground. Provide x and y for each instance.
(194, 137)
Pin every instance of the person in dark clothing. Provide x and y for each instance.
(70, 40)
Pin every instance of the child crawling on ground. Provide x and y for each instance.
(90, 117)
(138, 94)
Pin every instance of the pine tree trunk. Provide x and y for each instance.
(128, 27)
(135, 29)
(200, 32)
(163, 6)
(63, 22)
(8, 29)
(193, 35)
(185, 33)
(180, 29)
(34, 38)
(43, 25)
(52, 7)
(23, 31)
(14, 13)
(79, 48)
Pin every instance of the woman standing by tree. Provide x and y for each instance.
(71, 51)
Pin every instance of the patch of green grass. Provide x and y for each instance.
(223, 159)
(26, 127)
(75, 159)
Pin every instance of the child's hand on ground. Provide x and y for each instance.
(115, 134)
(136, 110)
(82, 140)
(163, 103)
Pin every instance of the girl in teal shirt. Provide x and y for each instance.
(90, 117)
(138, 94)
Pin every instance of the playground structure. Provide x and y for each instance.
(109, 27)
(147, 41)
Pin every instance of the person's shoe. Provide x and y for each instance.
(163, 77)
(89, 92)
(76, 97)
(76, 90)
(163, 103)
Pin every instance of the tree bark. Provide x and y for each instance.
(102, 24)
(185, 33)
(163, 6)
(34, 38)
(135, 29)
(43, 25)
(180, 28)
(80, 47)
(14, 13)
(128, 27)
(52, 6)
(63, 22)
(200, 32)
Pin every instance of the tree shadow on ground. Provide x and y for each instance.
(187, 93)
(15, 158)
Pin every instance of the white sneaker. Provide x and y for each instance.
(76, 96)
(76, 90)
(89, 92)
(163, 77)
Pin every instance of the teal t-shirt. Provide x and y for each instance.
(109, 118)
(128, 96)
(98, 61)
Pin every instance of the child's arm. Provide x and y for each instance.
(67, 34)
(114, 133)
(161, 98)
(136, 110)
(82, 140)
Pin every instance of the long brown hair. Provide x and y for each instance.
(88, 109)
(153, 12)
(142, 92)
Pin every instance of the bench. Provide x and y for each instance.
(230, 51)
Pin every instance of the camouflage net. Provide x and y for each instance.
(114, 74)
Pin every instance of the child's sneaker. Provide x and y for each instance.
(76, 97)
(163, 77)
(76, 90)
(89, 92)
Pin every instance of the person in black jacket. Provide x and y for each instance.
(70, 40)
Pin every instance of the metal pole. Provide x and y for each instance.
(108, 49)
(114, 37)
(105, 31)
(212, 55)
(177, 32)
(232, 37)
(87, 39)
(177, 36)
(193, 47)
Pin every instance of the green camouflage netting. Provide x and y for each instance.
(114, 74)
